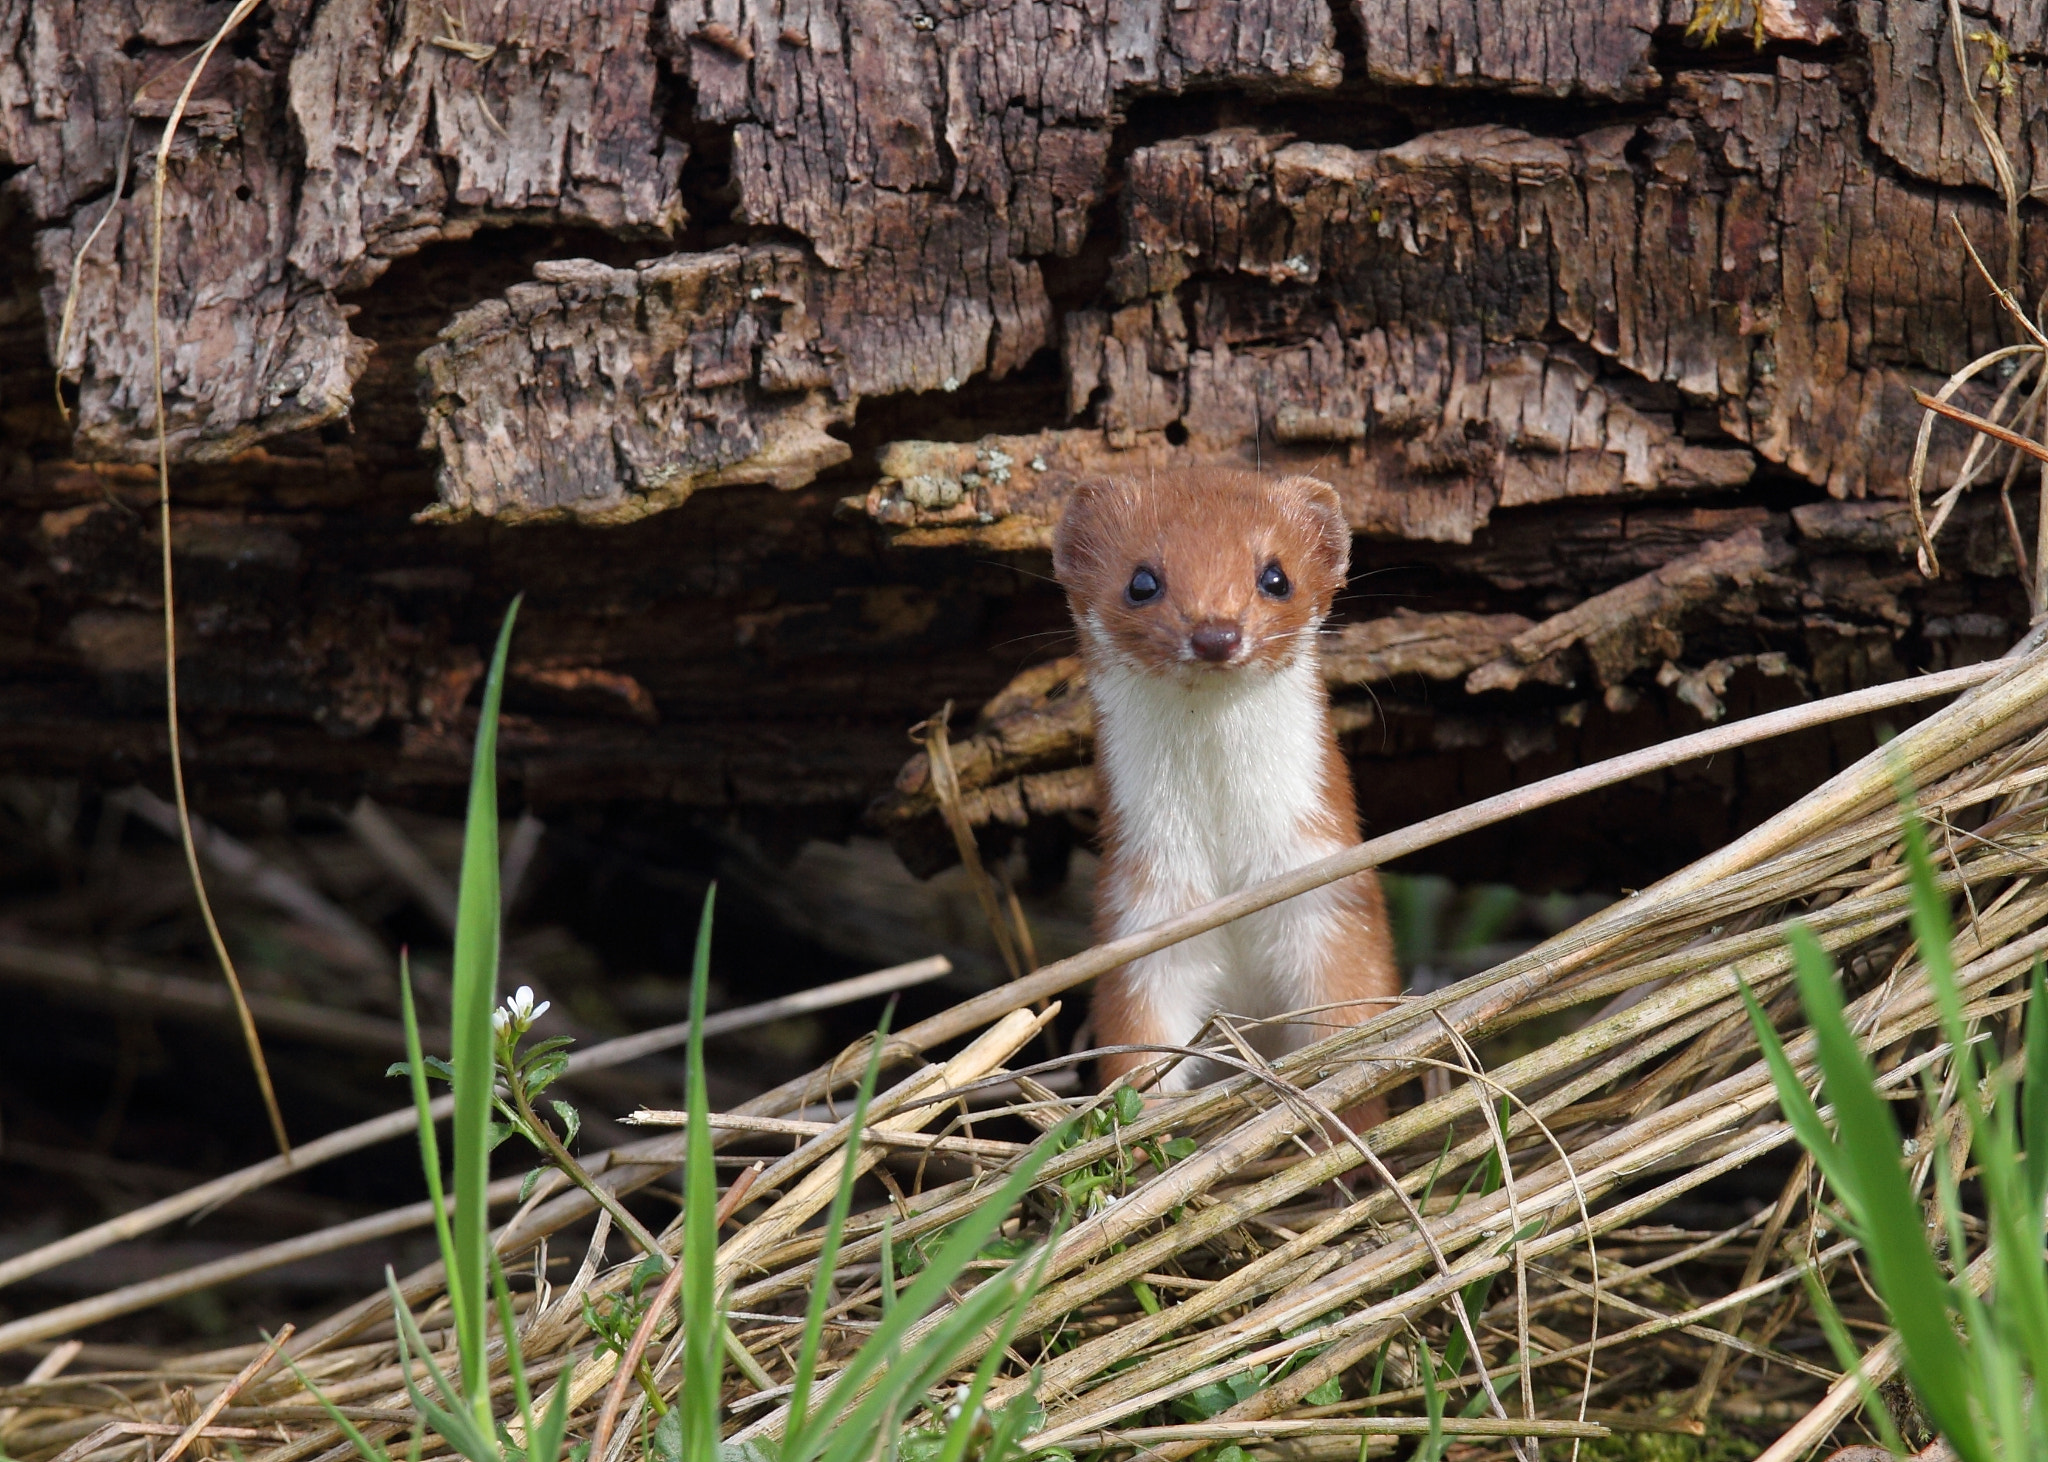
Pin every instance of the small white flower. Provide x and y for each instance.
(955, 1404)
(518, 1012)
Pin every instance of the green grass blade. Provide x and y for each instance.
(2012, 1200)
(2000, 1392)
(1850, 1359)
(2014, 1220)
(2034, 1094)
(466, 1433)
(934, 1283)
(1902, 1265)
(1934, 936)
(888, 1276)
(508, 1326)
(835, 1227)
(1431, 1448)
(961, 1434)
(471, 1044)
(703, 1325)
(544, 1442)
(1488, 1177)
(881, 1412)
(430, 1146)
(2014, 1216)
(410, 1338)
(1436, 1171)
(1793, 1098)
(368, 1450)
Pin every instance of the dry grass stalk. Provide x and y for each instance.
(242, 11)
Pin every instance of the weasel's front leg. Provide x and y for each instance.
(1161, 999)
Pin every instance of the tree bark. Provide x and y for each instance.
(760, 345)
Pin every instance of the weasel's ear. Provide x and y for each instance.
(1075, 543)
(1325, 511)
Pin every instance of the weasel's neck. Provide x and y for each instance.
(1225, 771)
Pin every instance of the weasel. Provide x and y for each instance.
(1199, 598)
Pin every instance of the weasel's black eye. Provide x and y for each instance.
(1144, 585)
(1273, 582)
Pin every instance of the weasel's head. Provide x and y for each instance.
(1200, 571)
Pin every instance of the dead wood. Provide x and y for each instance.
(1603, 329)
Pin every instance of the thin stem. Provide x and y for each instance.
(163, 473)
(571, 1169)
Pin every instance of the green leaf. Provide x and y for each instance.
(1008, 1246)
(571, 1122)
(649, 1269)
(542, 1074)
(435, 1067)
(666, 1445)
(1327, 1394)
(1218, 1396)
(1129, 1105)
(757, 1449)
(472, 1047)
(1020, 1418)
(529, 1183)
(1179, 1149)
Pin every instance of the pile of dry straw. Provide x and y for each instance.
(1279, 1237)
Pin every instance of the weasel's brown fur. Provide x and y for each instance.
(1216, 758)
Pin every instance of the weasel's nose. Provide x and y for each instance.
(1215, 641)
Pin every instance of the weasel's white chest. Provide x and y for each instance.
(1218, 780)
(1217, 784)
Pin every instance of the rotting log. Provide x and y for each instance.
(761, 345)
